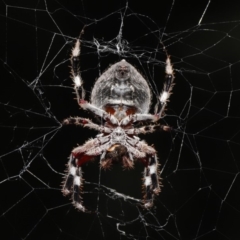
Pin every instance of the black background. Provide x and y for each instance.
(199, 159)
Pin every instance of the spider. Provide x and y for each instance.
(121, 97)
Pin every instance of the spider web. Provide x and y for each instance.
(199, 158)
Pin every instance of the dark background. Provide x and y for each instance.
(199, 158)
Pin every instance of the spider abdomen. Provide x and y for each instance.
(122, 86)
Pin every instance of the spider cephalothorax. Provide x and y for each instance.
(121, 97)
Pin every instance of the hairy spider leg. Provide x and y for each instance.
(151, 180)
(85, 122)
(73, 182)
(148, 129)
(167, 88)
(75, 71)
(151, 174)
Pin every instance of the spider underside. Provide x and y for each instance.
(121, 97)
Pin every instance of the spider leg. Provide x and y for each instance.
(151, 180)
(75, 71)
(139, 146)
(86, 123)
(72, 169)
(148, 129)
(73, 181)
(167, 88)
(151, 174)
(135, 152)
(147, 155)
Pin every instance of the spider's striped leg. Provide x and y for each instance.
(86, 123)
(151, 180)
(148, 129)
(74, 182)
(75, 71)
(147, 155)
(167, 88)
(68, 179)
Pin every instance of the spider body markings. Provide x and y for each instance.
(122, 98)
